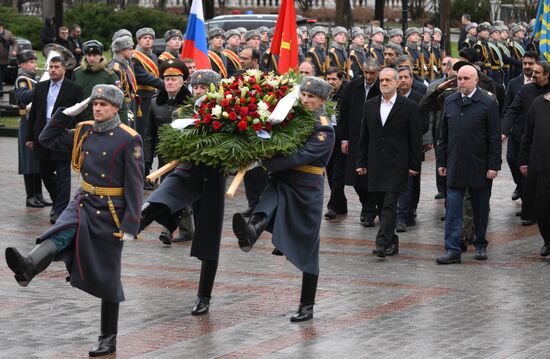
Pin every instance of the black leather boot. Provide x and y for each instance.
(25, 268)
(106, 343)
(307, 298)
(186, 226)
(248, 232)
(393, 249)
(206, 282)
(160, 213)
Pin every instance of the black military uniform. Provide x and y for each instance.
(127, 82)
(337, 54)
(218, 61)
(411, 49)
(88, 234)
(232, 54)
(316, 53)
(170, 53)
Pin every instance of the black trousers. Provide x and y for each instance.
(56, 176)
(387, 202)
(254, 184)
(368, 202)
(336, 176)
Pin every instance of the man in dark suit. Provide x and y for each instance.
(470, 158)
(389, 150)
(54, 165)
(512, 151)
(349, 124)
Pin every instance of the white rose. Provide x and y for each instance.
(216, 111)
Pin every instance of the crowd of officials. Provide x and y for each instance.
(393, 101)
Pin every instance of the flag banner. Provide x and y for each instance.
(194, 46)
(542, 29)
(285, 38)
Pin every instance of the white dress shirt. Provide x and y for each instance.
(385, 107)
(53, 92)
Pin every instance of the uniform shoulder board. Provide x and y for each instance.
(84, 123)
(312, 49)
(128, 129)
(23, 82)
(77, 68)
(352, 52)
(323, 120)
(332, 49)
(116, 66)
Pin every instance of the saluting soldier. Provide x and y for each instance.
(203, 187)
(173, 40)
(104, 211)
(395, 36)
(517, 50)
(285, 199)
(337, 54)
(411, 48)
(121, 65)
(231, 51)
(356, 51)
(218, 61)
(471, 35)
(375, 47)
(29, 166)
(147, 75)
(316, 53)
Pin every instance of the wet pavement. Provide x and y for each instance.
(406, 306)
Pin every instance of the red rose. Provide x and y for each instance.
(257, 126)
(254, 114)
(242, 125)
(207, 118)
(224, 102)
(194, 115)
(267, 126)
(251, 80)
(216, 125)
(252, 106)
(197, 123)
(237, 108)
(243, 111)
(232, 116)
(252, 100)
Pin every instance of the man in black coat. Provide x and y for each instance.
(512, 152)
(54, 164)
(470, 158)
(516, 114)
(389, 150)
(357, 93)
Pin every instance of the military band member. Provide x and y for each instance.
(337, 55)
(375, 48)
(356, 51)
(471, 36)
(316, 53)
(395, 36)
(173, 40)
(204, 188)
(218, 61)
(411, 49)
(104, 211)
(29, 165)
(147, 76)
(284, 199)
(121, 65)
(231, 51)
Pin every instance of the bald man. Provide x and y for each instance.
(469, 155)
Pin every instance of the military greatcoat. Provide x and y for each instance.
(113, 160)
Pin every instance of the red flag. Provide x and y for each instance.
(285, 39)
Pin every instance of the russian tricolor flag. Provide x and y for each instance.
(194, 46)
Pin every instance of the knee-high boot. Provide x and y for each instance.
(106, 343)
(26, 268)
(206, 282)
(32, 200)
(307, 298)
(160, 213)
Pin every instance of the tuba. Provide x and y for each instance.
(52, 50)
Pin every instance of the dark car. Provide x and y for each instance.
(250, 22)
(159, 44)
(11, 71)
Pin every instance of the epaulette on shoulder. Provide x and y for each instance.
(84, 123)
(323, 120)
(332, 49)
(23, 81)
(352, 53)
(312, 49)
(128, 129)
(116, 66)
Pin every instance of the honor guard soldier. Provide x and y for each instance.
(173, 40)
(437, 52)
(264, 39)
(495, 55)
(218, 61)
(231, 51)
(29, 166)
(517, 50)
(252, 38)
(121, 65)
(508, 61)
(203, 187)
(300, 39)
(147, 75)
(471, 35)
(88, 235)
(482, 47)
(375, 47)
(291, 211)
(316, 53)
(395, 36)
(337, 54)
(356, 51)
(426, 73)
(269, 62)
(93, 71)
(305, 38)
(411, 48)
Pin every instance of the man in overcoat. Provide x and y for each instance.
(470, 157)
(389, 151)
(105, 210)
(292, 203)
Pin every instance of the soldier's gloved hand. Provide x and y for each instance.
(77, 108)
(128, 237)
(254, 165)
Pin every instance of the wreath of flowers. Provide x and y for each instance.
(231, 128)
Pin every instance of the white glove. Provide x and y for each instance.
(28, 107)
(130, 116)
(128, 237)
(77, 108)
(254, 165)
(284, 106)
